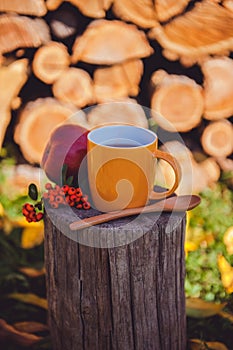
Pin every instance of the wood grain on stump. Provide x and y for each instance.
(126, 297)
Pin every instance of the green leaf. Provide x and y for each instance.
(3, 153)
(69, 180)
(64, 173)
(33, 192)
(153, 126)
(66, 180)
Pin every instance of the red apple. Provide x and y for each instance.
(67, 147)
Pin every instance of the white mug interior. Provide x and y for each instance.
(120, 135)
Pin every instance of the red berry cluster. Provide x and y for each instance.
(72, 196)
(29, 211)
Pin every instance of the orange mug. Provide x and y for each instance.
(121, 167)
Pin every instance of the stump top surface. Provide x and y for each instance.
(115, 232)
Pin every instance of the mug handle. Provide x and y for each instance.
(177, 170)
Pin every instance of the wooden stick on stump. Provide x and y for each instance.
(126, 297)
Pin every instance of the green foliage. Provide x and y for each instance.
(66, 180)
(213, 216)
(11, 200)
(13, 208)
(215, 213)
(203, 277)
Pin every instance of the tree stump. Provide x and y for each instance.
(126, 297)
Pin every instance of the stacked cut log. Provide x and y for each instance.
(58, 58)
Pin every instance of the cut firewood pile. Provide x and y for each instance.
(175, 58)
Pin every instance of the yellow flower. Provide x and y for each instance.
(199, 236)
(32, 236)
(189, 247)
(228, 240)
(22, 222)
(1, 210)
(226, 271)
(188, 217)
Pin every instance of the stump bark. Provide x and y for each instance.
(126, 297)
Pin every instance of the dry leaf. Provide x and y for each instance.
(30, 327)
(226, 271)
(30, 272)
(30, 298)
(7, 332)
(196, 344)
(226, 315)
(199, 308)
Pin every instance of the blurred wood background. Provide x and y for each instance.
(175, 57)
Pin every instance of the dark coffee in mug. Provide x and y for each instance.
(121, 143)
